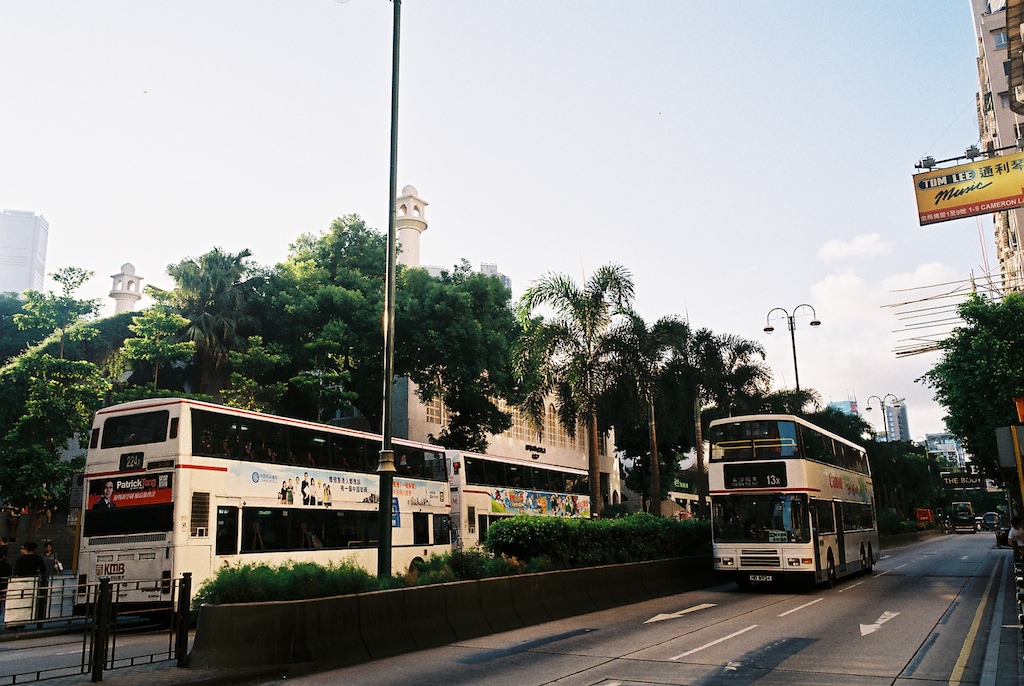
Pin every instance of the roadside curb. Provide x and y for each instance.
(179, 676)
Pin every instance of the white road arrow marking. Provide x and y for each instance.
(866, 629)
(674, 615)
(964, 557)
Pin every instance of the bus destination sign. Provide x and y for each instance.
(131, 462)
(755, 475)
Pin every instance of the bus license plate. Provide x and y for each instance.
(761, 577)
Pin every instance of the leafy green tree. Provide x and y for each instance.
(454, 342)
(566, 356)
(326, 302)
(61, 397)
(980, 373)
(59, 313)
(213, 292)
(452, 335)
(156, 341)
(246, 390)
(14, 339)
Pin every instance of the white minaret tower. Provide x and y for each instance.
(127, 289)
(409, 224)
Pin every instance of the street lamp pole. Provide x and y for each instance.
(792, 332)
(386, 463)
(881, 403)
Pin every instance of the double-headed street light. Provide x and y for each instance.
(792, 331)
(882, 403)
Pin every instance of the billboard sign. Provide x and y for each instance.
(983, 187)
(961, 480)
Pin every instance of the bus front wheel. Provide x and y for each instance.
(830, 579)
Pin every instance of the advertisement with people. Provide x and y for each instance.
(310, 487)
(518, 501)
(108, 493)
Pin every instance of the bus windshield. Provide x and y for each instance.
(754, 440)
(780, 518)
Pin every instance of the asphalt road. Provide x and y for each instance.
(942, 611)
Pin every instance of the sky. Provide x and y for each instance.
(734, 157)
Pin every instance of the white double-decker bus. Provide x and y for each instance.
(174, 485)
(485, 488)
(789, 500)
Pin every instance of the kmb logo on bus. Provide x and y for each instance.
(110, 569)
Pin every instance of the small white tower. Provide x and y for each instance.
(410, 222)
(127, 289)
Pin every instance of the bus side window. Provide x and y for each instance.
(227, 530)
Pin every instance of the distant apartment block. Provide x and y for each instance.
(23, 237)
(999, 127)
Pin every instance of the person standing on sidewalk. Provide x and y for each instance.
(30, 564)
(1015, 539)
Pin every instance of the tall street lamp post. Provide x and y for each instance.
(881, 402)
(792, 331)
(386, 463)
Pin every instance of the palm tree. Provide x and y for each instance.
(567, 356)
(212, 292)
(647, 355)
(722, 370)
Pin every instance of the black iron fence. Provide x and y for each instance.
(109, 629)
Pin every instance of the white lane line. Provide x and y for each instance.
(789, 612)
(893, 569)
(708, 645)
(847, 588)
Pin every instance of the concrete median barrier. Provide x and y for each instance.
(465, 614)
(496, 600)
(247, 634)
(384, 625)
(344, 630)
(527, 600)
(333, 636)
(662, 577)
(427, 616)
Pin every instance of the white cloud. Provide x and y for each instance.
(867, 245)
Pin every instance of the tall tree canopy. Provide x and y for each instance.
(980, 373)
(213, 292)
(454, 341)
(567, 356)
(647, 354)
(59, 313)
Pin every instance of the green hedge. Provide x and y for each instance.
(586, 542)
(253, 583)
(517, 545)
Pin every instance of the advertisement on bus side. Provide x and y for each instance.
(107, 493)
(311, 487)
(518, 501)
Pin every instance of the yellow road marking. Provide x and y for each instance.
(965, 652)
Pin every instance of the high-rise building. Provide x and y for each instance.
(999, 127)
(946, 446)
(896, 420)
(23, 237)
